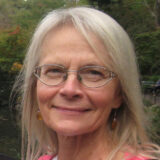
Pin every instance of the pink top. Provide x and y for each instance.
(48, 157)
(129, 157)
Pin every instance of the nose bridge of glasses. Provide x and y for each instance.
(73, 71)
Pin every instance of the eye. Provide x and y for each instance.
(93, 74)
(52, 71)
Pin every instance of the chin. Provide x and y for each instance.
(71, 130)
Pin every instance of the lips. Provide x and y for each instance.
(68, 109)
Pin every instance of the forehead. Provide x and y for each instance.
(65, 42)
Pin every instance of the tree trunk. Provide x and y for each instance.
(157, 12)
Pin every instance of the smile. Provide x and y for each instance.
(73, 111)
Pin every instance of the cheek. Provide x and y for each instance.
(103, 108)
(101, 99)
(109, 96)
(105, 99)
(44, 93)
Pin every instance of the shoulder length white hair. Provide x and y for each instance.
(36, 136)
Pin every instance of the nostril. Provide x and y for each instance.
(65, 77)
(76, 96)
(79, 78)
(70, 91)
(70, 96)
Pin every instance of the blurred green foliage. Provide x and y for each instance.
(12, 46)
(153, 78)
(153, 112)
(148, 52)
(132, 15)
(10, 139)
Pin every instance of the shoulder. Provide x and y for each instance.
(46, 157)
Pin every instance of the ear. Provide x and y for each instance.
(117, 101)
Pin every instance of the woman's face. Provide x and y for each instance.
(71, 108)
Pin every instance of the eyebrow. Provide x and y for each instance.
(90, 64)
(93, 64)
(87, 64)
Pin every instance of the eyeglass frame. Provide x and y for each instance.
(112, 74)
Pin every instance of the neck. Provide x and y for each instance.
(92, 146)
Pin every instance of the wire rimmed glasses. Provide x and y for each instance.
(89, 76)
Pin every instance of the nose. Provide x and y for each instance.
(71, 88)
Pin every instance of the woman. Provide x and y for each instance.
(81, 93)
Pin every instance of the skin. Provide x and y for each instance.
(62, 107)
